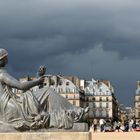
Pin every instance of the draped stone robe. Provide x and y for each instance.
(32, 110)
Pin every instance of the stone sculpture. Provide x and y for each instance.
(33, 110)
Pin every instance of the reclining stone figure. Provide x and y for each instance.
(43, 108)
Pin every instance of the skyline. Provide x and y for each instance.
(88, 39)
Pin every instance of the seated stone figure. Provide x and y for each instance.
(43, 108)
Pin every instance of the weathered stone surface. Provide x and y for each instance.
(77, 127)
(45, 136)
(115, 136)
(70, 136)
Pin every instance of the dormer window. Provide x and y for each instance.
(67, 83)
(45, 84)
(100, 89)
(60, 82)
(52, 82)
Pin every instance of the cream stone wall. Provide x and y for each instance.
(73, 98)
(116, 136)
(71, 136)
(46, 136)
(137, 107)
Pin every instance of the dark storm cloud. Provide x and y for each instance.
(99, 39)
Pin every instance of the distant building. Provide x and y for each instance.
(99, 96)
(125, 113)
(137, 102)
(63, 86)
(121, 112)
(75, 94)
(130, 112)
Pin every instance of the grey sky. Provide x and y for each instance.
(88, 38)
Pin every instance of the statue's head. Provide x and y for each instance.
(3, 53)
(41, 70)
(3, 57)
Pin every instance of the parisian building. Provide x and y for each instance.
(121, 112)
(125, 113)
(100, 97)
(97, 94)
(66, 86)
(137, 102)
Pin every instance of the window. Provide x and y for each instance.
(94, 113)
(52, 82)
(74, 102)
(67, 83)
(74, 90)
(87, 99)
(100, 105)
(100, 89)
(107, 99)
(100, 99)
(100, 113)
(67, 90)
(97, 113)
(87, 104)
(107, 92)
(60, 90)
(60, 82)
(107, 105)
(94, 105)
(45, 84)
(104, 113)
(138, 114)
(107, 114)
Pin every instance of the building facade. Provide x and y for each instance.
(137, 102)
(99, 96)
(63, 86)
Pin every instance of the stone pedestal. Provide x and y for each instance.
(77, 127)
(70, 136)
(78, 132)
(46, 136)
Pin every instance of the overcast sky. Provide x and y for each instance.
(97, 39)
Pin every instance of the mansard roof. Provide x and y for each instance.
(97, 87)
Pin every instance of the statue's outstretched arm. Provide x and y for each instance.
(14, 83)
